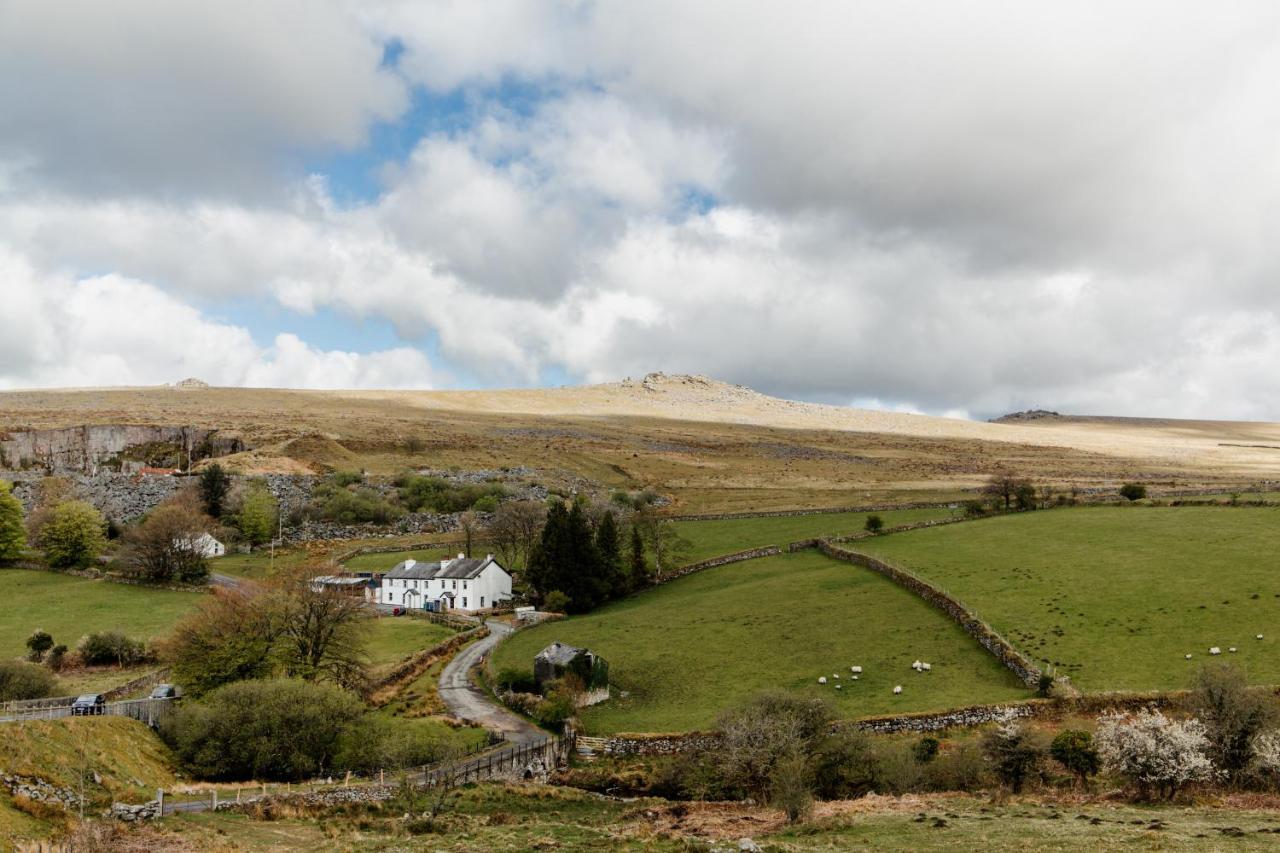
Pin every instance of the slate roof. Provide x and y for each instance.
(559, 653)
(460, 568)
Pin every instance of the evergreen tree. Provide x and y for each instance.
(13, 537)
(549, 553)
(214, 485)
(566, 559)
(638, 570)
(609, 554)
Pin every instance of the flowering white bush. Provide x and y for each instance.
(1156, 753)
(1266, 752)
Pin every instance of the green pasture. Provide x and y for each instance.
(391, 639)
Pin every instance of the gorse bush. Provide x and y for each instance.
(112, 647)
(24, 681)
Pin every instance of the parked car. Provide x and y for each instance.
(164, 691)
(89, 705)
(397, 611)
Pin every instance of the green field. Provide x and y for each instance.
(70, 607)
(387, 561)
(725, 536)
(392, 639)
(688, 649)
(1115, 597)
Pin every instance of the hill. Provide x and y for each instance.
(710, 445)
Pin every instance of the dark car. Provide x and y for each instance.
(89, 705)
(164, 691)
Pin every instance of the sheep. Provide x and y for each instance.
(839, 686)
(855, 678)
(926, 667)
(1232, 649)
(822, 679)
(897, 689)
(858, 670)
(835, 675)
(916, 666)
(1259, 636)
(1188, 657)
(1214, 650)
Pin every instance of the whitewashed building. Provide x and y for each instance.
(204, 545)
(462, 584)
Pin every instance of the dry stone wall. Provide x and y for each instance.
(722, 560)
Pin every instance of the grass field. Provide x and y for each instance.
(387, 561)
(725, 536)
(1115, 597)
(70, 607)
(392, 639)
(686, 650)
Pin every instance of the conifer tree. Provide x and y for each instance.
(609, 554)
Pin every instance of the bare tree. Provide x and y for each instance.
(471, 527)
(1003, 488)
(323, 632)
(167, 546)
(1046, 496)
(515, 529)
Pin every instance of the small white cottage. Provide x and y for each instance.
(204, 545)
(462, 583)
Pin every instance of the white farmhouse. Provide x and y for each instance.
(459, 584)
(204, 545)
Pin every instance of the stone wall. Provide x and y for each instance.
(789, 513)
(1021, 666)
(660, 744)
(418, 663)
(722, 560)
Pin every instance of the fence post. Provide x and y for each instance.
(215, 799)
(160, 800)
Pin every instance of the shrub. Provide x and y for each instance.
(283, 730)
(438, 495)
(38, 643)
(111, 647)
(844, 766)
(376, 743)
(1013, 750)
(975, 508)
(164, 546)
(1075, 751)
(874, 524)
(555, 709)
(20, 680)
(342, 479)
(515, 680)
(352, 506)
(1157, 754)
(57, 657)
(790, 787)
(487, 503)
(958, 769)
(73, 536)
(257, 515)
(1233, 715)
(926, 749)
(555, 602)
(1133, 491)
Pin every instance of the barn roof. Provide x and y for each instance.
(559, 653)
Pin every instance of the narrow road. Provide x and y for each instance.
(472, 703)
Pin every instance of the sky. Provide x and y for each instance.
(952, 208)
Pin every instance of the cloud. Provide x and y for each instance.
(170, 98)
(110, 330)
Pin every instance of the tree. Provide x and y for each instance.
(256, 518)
(1157, 754)
(515, 529)
(471, 526)
(322, 633)
(1025, 496)
(231, 637)
(165, 546)
(1001, 489)
(19, 681)
(1133, 491)
(13, 535)
(112, 647)
(283, 729)
(1013, 750)
(1234, 716)
(1046, 496)
(38, 643)
(566, 559)
(664, 541)
(1075, 751)
(214, 485)
(609, 553)
(874, 524)
(637, 568)
(769, 730)
(74, 535)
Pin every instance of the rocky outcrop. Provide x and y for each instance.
(40, 791)
(117, 447)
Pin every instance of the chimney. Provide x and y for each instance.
(462, 556)
(410, 563)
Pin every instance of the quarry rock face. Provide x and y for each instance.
(123, 448)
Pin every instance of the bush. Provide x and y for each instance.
(57, 657)
(1157, 754)
(926, 749)
(438, 495)
(39, 643)
(111, 647)
(284, 730)
(1014, 752)
(1074, 750)
(555, 602)
(352, 506)
(1233, 714)
(377, 743)
(844, 766)
(73, 536)
(1133, 491)
(874, 524)
(975, 508)
(487, 503)
(961, 768)
(342, 479)
(515, 680)
(24, 681)
(13, 536)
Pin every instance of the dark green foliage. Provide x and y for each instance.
(486, 503)
(57, 657)
(874, 524)
(38, 643)
(342, 479)
(112, 647)
(637, 568)
(1014, 752)
(555, 602)
(1074, 750)
(566, 559)
(975, 508)
(926, 749)
(374, 743)
(609, 552)
(1044, 684)
(346, 505)
(20, 680)
(844, 766)
(284, 730)
(433, 494)
(1233, 713)
(1025, 496)
(214, 485)
(1133, 491)
(516, 680)
(13, 536)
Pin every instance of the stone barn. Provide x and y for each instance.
(559, 659)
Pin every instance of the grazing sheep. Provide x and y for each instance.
(916, 666)
(839, 686)
(858, 669)
(822, 679)
(835, 675)
(926, 667)
(1188, 657)
(1259, 636)
(1214, 650)
(1232, 649)
(897, 689)
(855, 678)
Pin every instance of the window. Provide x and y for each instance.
(455, 584)
(464, 603)
(482, 601)
(464, 584)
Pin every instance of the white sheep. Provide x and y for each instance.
(1214, 650)
(916, 666)
(897, 689)
(1259, 636)
(835, 675)
(1232, 649)
(839, 686)
(855, 678)
(1188, 657)
(926, 667)
(822, 679)
(858, 669)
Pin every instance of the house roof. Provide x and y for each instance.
(460, 568)
(559, 653)
(340, 580)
